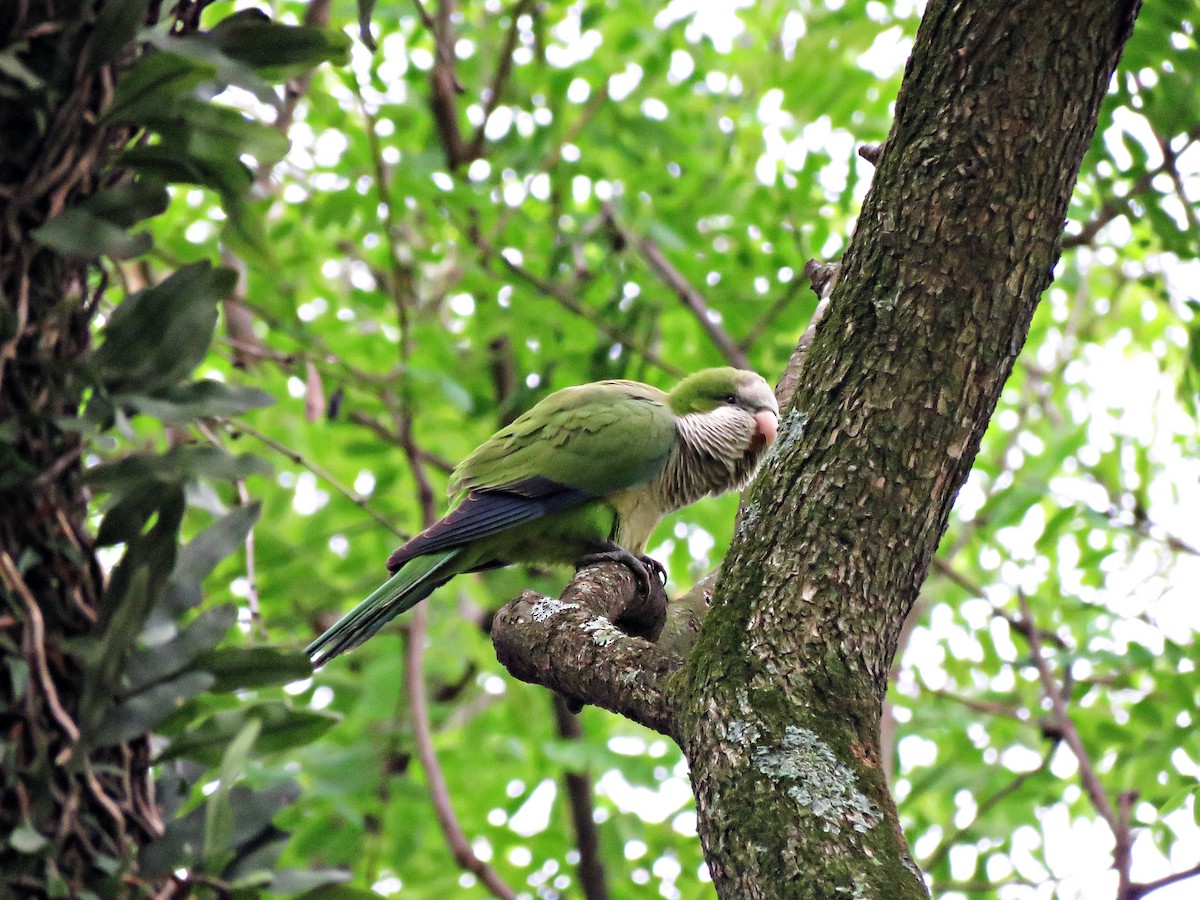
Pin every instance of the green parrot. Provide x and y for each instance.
(583, 476)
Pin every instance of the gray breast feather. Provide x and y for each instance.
(715, 453)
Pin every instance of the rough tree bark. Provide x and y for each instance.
(97, 803)
(777, 709)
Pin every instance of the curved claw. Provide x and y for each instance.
(642, 617)
(640, 566)
(656, 567)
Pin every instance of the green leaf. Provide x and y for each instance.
(12, 66)
(27, 839)
(197, 400)
(140, 713)
(215, 543)
(215, 135)
(158, 336)
(131, 510)
(129, 202)
(278, 51)
(577, 756)
(131, 591)
(283, 728)
(221, 539)
(451, 390)
(153, 84)
(154, 664)
(218, 819)
(202, 55)
(177, 466)
(292, 881)
(181, 165)
(77, 232)
(176, 848)
(339, 892)
(251, 667)
(116, 26)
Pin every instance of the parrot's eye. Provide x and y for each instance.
(731, 399)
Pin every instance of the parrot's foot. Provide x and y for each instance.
(641, 566)
(645, 615)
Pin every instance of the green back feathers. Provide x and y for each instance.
(599, 438)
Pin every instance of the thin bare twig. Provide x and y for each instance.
(426, 19)
(358, 417)
(439, 793)
(1019, 624)
(590, 871)
(504, 64)
(982, 809)
(403, 293)
(444, 86)
(237, 427)
(1118, 820)
(1117, 206)
(256, 618)
(1144, 888)
(683, 289)
(554, 155)
(1171, 164)
(569, 303)
(414, 686)
(766, 321)
(984, 707)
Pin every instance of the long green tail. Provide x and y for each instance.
(415, 581)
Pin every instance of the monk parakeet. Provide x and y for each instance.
(584, 475)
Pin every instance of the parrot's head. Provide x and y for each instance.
(737, 398)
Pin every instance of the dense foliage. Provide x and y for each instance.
(561, 193)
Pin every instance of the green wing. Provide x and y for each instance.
(597, 438)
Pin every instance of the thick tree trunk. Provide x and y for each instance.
(68, 815)
(777, 708)
(955, 244)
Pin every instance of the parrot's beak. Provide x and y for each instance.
(766, 425)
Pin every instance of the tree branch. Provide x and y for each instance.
(444, 86)
(684, 290)
(439, 793)
(590, 871)
(403, 293)
(504, 64)
(766, 322)
(238, 427)
(571, 304)
(1144, 888)
(1117, 206)
(1117, 819)
(982, 808)
(579, 645)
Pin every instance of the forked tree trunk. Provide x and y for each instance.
(779, 705)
